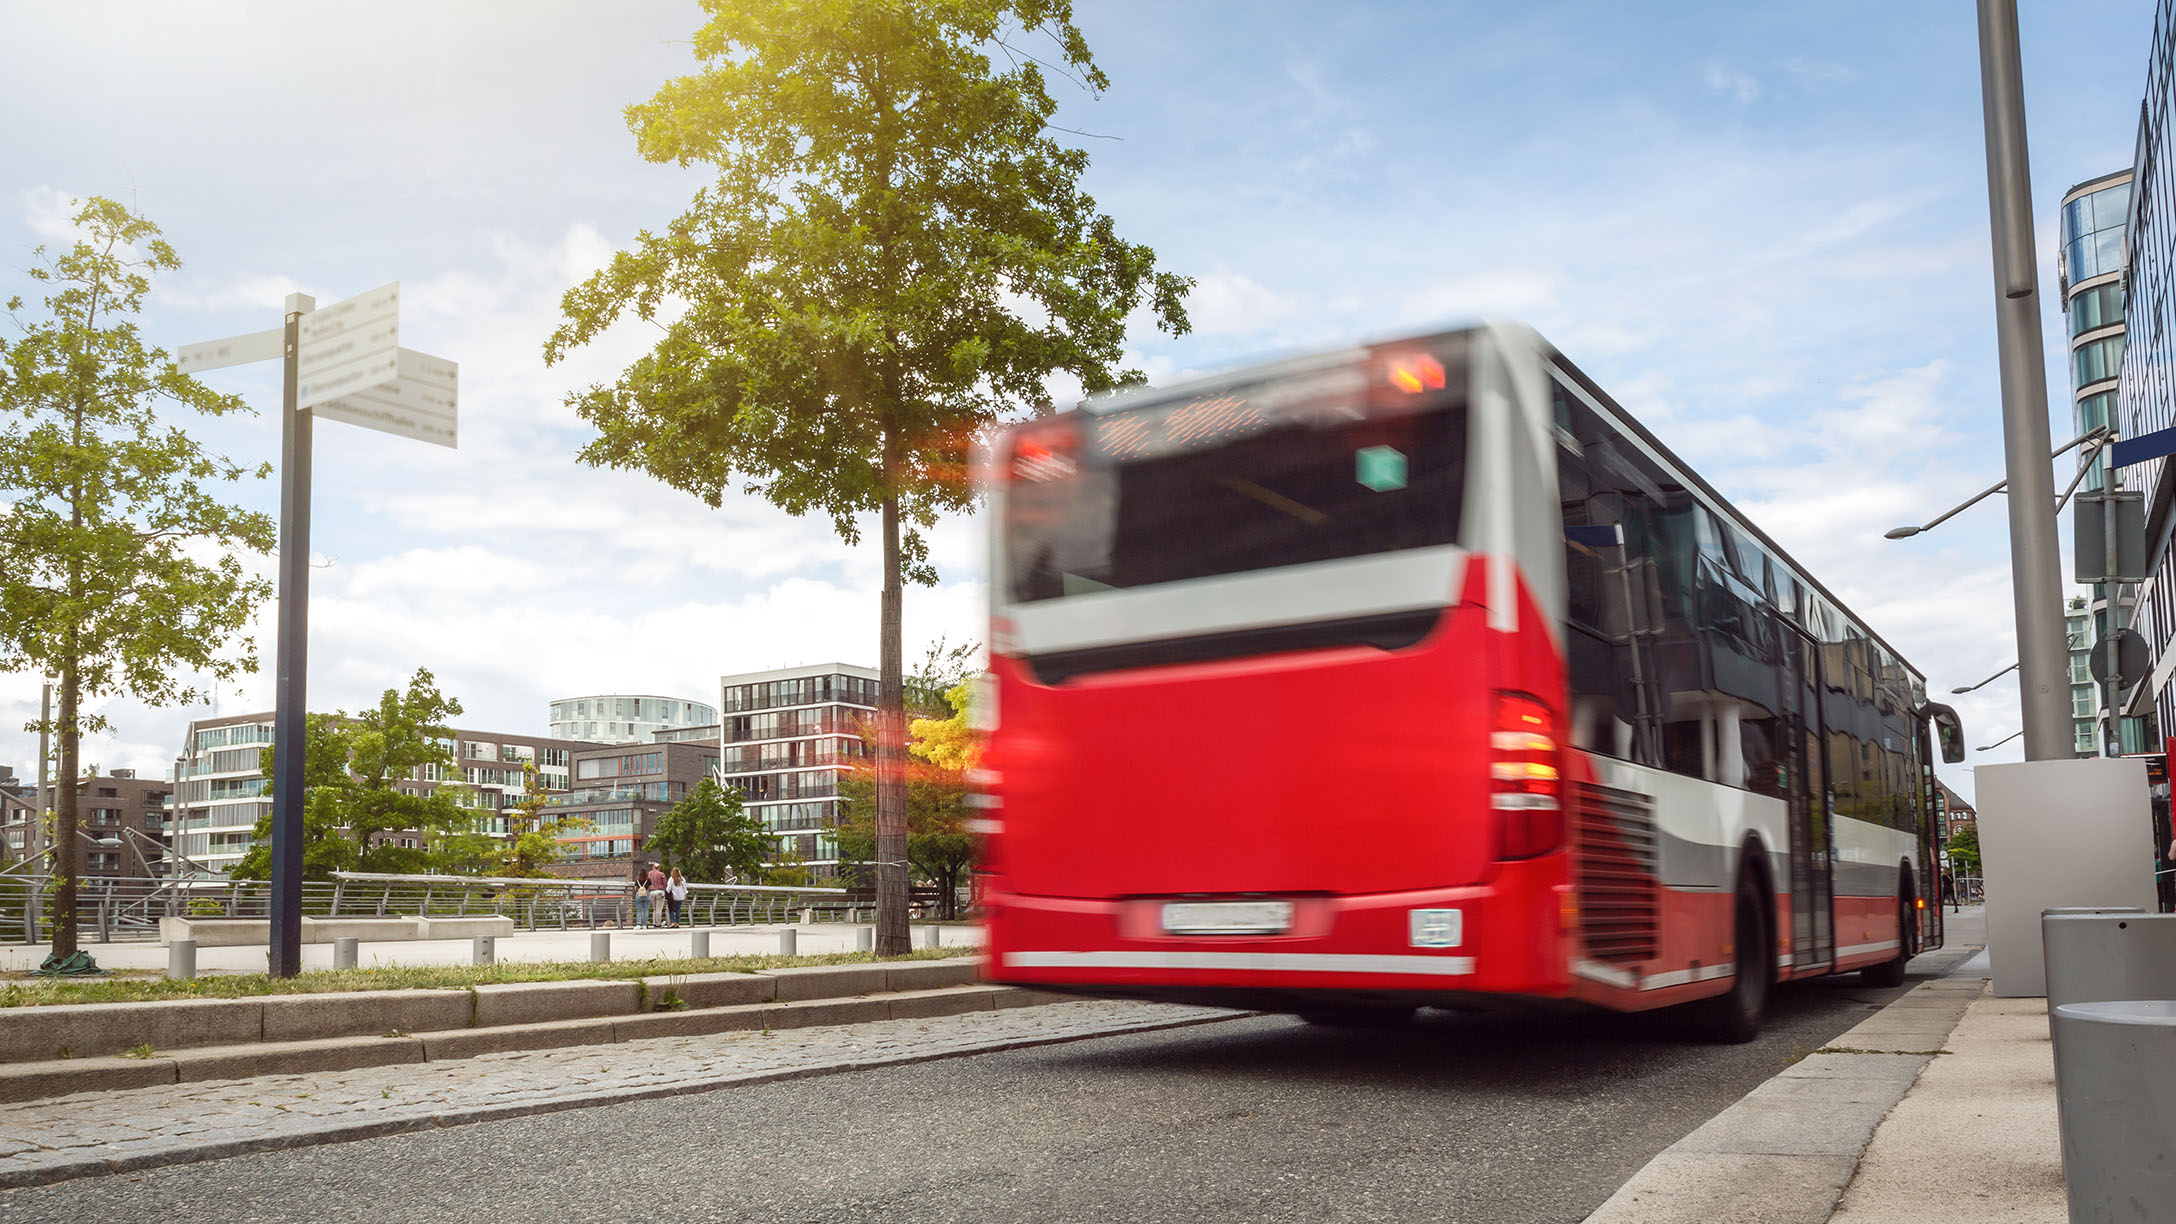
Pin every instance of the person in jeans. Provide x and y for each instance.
(676, 894)
(656, 881)
(642, 901)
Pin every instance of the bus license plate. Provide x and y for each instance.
(1227, 917)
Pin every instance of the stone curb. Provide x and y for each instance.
(152, 1154)
(1784, 1153)
(87, 1030)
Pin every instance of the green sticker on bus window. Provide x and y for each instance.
(1381, 468)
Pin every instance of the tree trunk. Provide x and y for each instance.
(65, 814)
(891, 746)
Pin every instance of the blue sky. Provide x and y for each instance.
(1763, 227)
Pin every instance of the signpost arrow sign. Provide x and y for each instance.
(234, 350)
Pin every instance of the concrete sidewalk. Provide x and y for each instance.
(1939, 1108)
(526, 946)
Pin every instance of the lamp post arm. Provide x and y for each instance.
(2084, 466)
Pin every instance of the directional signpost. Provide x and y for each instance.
(344, 363)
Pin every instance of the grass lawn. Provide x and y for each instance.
(22, 990)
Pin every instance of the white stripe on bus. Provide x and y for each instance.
(1276, 962)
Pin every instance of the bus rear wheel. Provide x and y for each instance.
(1891, 972)
(1359, 1015)
(1734, 1017)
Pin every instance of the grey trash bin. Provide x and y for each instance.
(2115, 1080)
(2095, 957)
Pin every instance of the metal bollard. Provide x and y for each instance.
(699, 945)
(344, 951)
(2096, 957)
(483, 950)
(2115, 1089)
(864, 939)
(600, 945)
(788, 939)
(181, 959)
(931, 936)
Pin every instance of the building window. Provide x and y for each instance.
(2097, 361)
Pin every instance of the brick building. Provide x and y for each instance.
(121, 817)
(1955, 813)
(622, 789)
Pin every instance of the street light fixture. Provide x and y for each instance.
(1966, 688)
(2000, 742)
(2097, 437)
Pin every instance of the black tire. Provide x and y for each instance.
(1359, 1015)
(1891, 972)
(1734, 1017)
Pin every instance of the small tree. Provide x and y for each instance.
(938, 842)
(354, 767)
(711, 836)
(1964, 849)
(534, 830)
(120, 569)
(896, 254)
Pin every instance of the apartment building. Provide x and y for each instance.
(621, 789)
(787, 738)
(122, 819)
(220, 790)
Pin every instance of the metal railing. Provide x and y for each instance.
(110, 909)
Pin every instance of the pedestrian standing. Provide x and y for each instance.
(1949, 890)
(642, 900)
(656, 881)
(676, 894)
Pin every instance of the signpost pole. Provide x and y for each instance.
(288, 747)
(2112, 739)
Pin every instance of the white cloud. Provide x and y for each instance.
(1724, 79)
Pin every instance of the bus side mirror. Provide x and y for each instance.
(1948, 732)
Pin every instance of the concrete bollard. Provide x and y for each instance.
(346, 949)
(864, 939)
(2115, 1089)
(930, 937)
(181, 960)
(2097, 957)
(808, 917)
(600, 946)
(699, 945)
(788, 940)
(483, 950)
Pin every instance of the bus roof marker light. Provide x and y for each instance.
(1415, 374)
(1381, 468)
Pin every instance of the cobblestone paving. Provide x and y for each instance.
(92, 1133)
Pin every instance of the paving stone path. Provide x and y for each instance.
(93, 1133)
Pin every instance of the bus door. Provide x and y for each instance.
(1813, 914)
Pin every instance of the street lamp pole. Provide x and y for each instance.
(2035, 566)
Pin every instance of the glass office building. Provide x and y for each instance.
(2090, 259)
(2146, 395)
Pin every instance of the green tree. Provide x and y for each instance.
(894, 255)
(354, 767)
(534, 829)
(1964, 849)
(939, 844)
(711, 836)
(121, 570)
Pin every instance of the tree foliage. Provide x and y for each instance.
(121, 570)
(354, 765)
(712, 838)
(534, 830)
(1964, 849)
(939, 845)
(894, 254)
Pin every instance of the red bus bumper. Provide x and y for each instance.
(1511, 940)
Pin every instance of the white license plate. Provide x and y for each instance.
(1227, 917)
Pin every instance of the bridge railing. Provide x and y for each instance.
(121, 908)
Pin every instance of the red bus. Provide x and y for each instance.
(1420, 674)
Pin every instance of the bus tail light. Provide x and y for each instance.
(1525, 785)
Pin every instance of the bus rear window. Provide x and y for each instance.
(1229, 482)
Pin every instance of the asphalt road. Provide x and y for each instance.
(1457, 1118)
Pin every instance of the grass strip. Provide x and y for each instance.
(24, 991)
